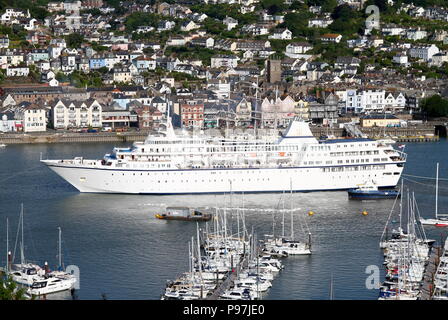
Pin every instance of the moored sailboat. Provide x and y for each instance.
(440, 220)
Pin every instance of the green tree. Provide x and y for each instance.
(10, 291)
(74, 40)
(435, 106)
(273, 6)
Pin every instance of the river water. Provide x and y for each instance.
(123, 252)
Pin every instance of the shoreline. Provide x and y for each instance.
(411, 134)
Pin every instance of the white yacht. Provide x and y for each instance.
(52, 283)
(297, 161)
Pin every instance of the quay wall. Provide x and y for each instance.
(420, 133)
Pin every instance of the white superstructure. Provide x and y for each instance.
(171, 164)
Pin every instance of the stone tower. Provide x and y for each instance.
(274, 70)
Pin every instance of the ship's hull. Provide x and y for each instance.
(201, 181)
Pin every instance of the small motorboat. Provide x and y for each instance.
(183, 214)
(370, 191)
(2, 145)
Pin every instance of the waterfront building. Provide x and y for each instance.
(76, 114)
(33, 116)
(192, 114)
(379, 120)
(277, 112)
(113, 117)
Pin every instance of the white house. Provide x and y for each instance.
(17, 71)
(33, 117)
(331, 37)
(365, 100)
(394, 101)
(221, 60)
(416, 34)
(298, 48)
(165, 25)
(176, 41)
(188, 26)
(122, 74)
(11, 14)
(281, 34)
(423, 52)
(392, 30)
(11, 58)
(72, 6)
(439, 59)
(230, 23)
(319, 22)
(144, 29)
(401, 59)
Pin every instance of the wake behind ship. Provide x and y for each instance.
(172, 164)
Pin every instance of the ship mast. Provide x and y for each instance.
(437, 188)
(292, 218)
(22, 244)
(60, 248)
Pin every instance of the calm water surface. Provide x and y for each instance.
(123, 252)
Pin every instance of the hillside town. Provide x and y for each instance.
(114, 65)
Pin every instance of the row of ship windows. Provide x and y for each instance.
(181, 173)
(310, 163)
(259, 179)
(330, 169)
(357, 168)
(353, 153)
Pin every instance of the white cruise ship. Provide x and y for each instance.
(173, 164)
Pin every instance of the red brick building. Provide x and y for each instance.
(192, 114)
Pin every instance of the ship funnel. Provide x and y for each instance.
(298, 132)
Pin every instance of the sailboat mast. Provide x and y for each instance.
(199, 249)
(22, 244)
(292, 218)
(7, 246)
(401, 202)
(283, 216)
(437, 188)
(60, 247)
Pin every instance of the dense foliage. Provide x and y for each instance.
(435, 106)
(10, 291)
(37, 7)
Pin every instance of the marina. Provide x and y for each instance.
(344, 241)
